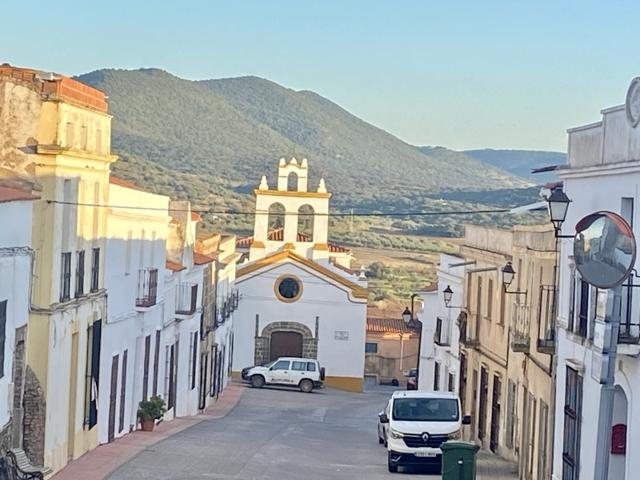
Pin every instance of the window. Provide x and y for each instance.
(425, 409)
(156, 363)
(83, 137)
(503, 303)
(123, 391)
(542, 441)
(370, 347)
(99, 141)
(69, 134)
(572, 417)
(95, 270)
(194, 359)
(311, 367)
(281, 365)
(65, 283)
(451, 383)
(584, 289)
(92, 373)
(3, 334)
(288, 288)
(436, 377)
(145, 375)
(490, 299)
(80, 273)
(511, 405)
(299, 366)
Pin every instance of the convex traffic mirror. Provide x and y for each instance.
(604, 249)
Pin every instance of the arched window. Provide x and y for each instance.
(276, 216)
(305, 223)
(292, 182)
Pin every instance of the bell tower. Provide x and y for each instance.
(292, 200)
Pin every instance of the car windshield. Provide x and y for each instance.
(425, 409)
(268, 365)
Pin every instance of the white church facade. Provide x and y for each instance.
(299, 297)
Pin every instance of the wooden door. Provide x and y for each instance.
(482, 414)
(123, 391)
(462, 389)
(113, 396)
(474, 400)
(495, 414)
(204, 365)
(285, 344)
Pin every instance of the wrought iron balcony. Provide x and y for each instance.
(546, 342)
(186, 298)
(470, 330)
(520, 328)
(147, 287)
(441, 336)
(629, 324)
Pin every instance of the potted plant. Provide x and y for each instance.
(149, 411)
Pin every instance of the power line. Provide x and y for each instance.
(351, 213)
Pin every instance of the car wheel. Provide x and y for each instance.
(393, 468)
(306, 386)
(257, 381)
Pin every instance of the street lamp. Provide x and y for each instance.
(508, 273)
(448, 296)
(406, 316)
(558, 205)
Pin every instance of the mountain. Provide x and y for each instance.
(521, 162)
(236, 129)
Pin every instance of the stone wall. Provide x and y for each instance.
(34, 417)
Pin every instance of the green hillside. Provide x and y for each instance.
(212, 140)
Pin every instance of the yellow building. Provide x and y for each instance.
(62, 139)
(506, 337)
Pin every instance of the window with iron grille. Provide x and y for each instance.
(572, 416)
(80, 273)
(65, 281)
(95, 270)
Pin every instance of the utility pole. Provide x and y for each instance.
(607, 380)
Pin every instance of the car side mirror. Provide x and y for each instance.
(466, 420)
(383, 417)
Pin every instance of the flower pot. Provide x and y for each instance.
(147, 425)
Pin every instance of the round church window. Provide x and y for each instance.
(288, 288)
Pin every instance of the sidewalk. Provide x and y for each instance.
(100, 462)
(492, 467)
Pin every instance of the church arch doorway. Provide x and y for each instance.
(285, 339)
(285, 344)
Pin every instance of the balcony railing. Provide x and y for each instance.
(186, 298)
(520, 328)
(147, 287)
(470, 330)
(547, 319)
(441, 336)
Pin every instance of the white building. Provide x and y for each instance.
(182, 313)
(603, 174)
(440, 346)
(132, 363)
(16, 257)
(297, 298)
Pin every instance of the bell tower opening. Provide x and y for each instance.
(306, 222)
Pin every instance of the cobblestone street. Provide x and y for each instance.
(284, 434)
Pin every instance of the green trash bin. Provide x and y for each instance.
(459, 460)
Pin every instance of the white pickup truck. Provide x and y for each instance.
(304, 373)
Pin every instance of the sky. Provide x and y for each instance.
(461, 74)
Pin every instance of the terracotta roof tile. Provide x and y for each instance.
(387, 325)
(202, 259)
(174, 267)
(13, 194)
(196, 217)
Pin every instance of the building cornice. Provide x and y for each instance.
(618, 168)
(288, 193)
(71, 152)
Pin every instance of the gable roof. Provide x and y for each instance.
(358, 291)
(277, 235)
(387, 325)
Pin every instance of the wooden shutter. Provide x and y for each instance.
(145, 378)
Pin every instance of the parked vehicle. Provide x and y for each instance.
(303, 373)
(383, 426)
(417, 424)
(412, 379)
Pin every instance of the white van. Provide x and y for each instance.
(418, 423)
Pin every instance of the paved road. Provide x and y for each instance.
(277, 434)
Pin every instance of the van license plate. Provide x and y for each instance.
(424, 454)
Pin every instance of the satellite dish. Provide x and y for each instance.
(604, 249)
